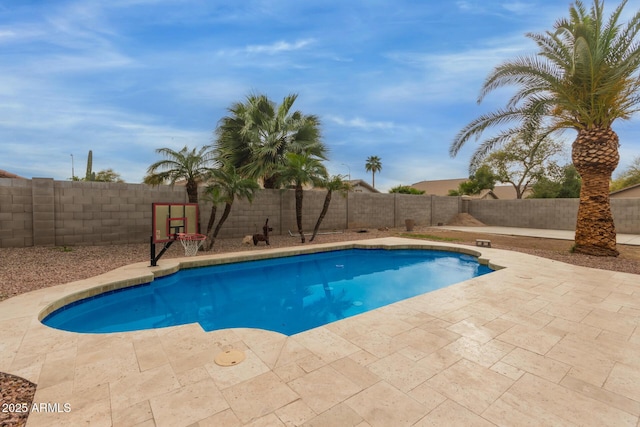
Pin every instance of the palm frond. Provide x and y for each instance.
(584, 75)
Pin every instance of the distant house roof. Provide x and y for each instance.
(439, 187)
(630, 192)
(442, 187)
(5, 174)
(484, 195)
(355, 183)
(508, 192)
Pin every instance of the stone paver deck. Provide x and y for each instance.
(537, 343)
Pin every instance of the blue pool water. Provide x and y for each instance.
(287, 295)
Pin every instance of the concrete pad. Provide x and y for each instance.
(623, 239)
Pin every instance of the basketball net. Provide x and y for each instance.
(191, 242)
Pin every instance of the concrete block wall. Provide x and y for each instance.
(16, 213)
(313, 201)
(43, 196)
(444, 208)
(626, 215)
(370, 210)
(44, 212)
(558, 214)
(336, 217)
(93, 213)
(280, 207)
(417, 208)
(245, 218)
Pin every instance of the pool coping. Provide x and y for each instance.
(536, 334)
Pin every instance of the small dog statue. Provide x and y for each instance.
(264, 237)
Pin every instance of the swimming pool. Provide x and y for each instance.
(286, 295)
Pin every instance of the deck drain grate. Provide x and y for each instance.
(229, 358)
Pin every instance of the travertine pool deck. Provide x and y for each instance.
(537, 343)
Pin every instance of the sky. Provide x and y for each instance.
(396, 79)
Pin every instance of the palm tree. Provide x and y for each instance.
(335, 183)
(226, 185)
(258, 134)
(584, 78)
(190, 165)
(373, 165)
(299, 170)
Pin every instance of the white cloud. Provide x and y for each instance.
(360, 123)
(489, 8)
(278, 47)
(7, 34)
(518, 7)
(220, 91)
(53, 125)
(125, 77)
(89, 61)
(448, 77)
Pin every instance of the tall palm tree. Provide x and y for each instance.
(373, 165)
(225, 186)
(299, 170)
(335, 183)
(190, 165)
(258, 134)
(584, 77)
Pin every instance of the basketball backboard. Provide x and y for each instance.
(172, 218)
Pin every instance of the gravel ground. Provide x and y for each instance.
(27, 269)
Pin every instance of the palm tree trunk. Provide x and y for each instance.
(223, 218)
(595, 156)
(373, 179)
(208, 244)
(270, 181)
(299, 211)
(325, 208)
(192, 191)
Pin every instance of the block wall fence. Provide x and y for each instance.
(45, 212)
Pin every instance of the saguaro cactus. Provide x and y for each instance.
(90, 176)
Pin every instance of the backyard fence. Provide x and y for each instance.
(45, 212)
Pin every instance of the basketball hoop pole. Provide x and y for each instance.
(154, 258)
(168, 222)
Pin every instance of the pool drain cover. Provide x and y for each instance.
(229, 358)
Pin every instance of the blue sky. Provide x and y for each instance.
(392, 78)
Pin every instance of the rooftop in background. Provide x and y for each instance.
(442, 187)
(360, 186)
(5, 174)
(633, 191)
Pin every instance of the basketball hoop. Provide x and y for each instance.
(191, 242)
